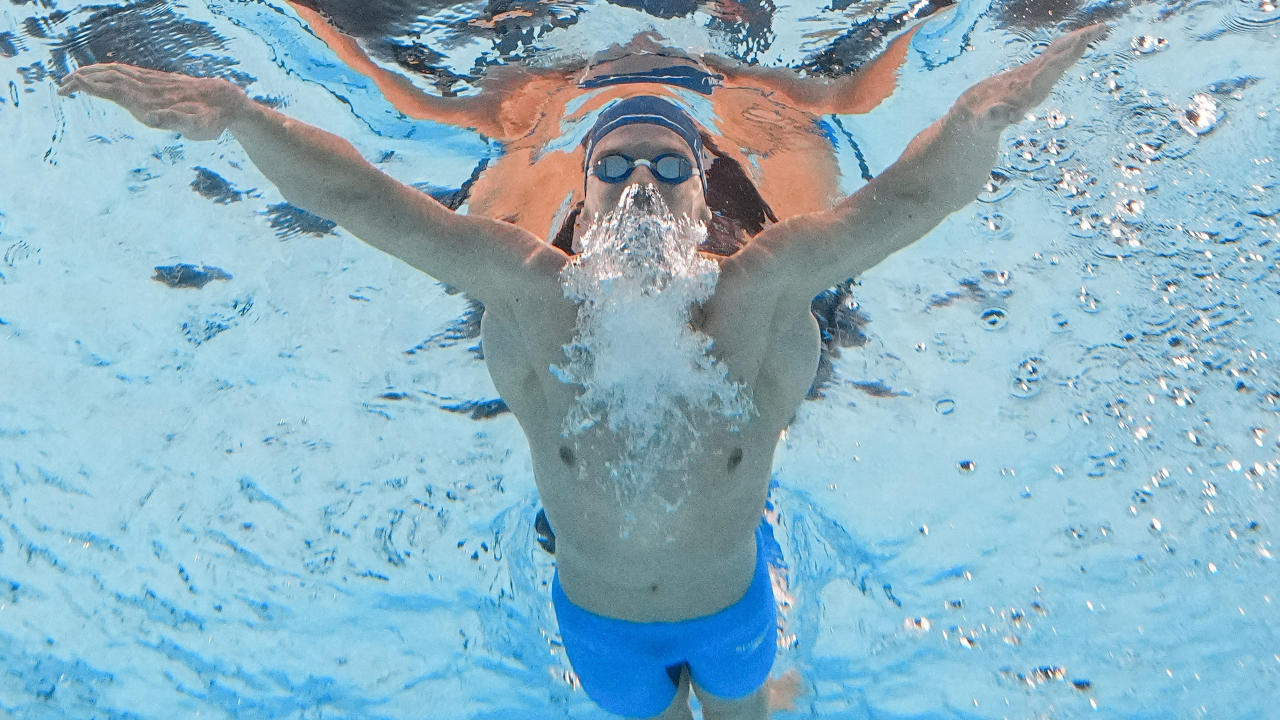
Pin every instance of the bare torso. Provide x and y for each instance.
(699, 557)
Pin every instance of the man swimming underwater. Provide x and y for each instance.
(660, 586)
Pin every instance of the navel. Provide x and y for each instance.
(735, 458)
(566, 455)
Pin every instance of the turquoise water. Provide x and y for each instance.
(1044, 486)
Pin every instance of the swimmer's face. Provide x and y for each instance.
(644, 141)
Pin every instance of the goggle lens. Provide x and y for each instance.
(670, 168)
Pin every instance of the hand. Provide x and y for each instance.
(1000, 100)
(784, 689)
(199, 108)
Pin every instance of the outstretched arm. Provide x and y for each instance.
(941, 171)
(323, 173)
(855, 93)
(511, 98)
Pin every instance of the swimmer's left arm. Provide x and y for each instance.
(854, 93)
(940, 171)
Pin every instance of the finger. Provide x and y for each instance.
(1077, 42)
(123, 91)
(119, 71)
(69, 85)
(100, 70)
(106, 69)
(1092, 33)
(71, 80)
(141, 74)
(94, 76)
(104, 86)
(1061, 55)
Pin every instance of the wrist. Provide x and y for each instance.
(238, 107)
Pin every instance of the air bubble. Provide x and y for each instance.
(945, 406)
(1251, 15)
(635, 284)
(1113, 78)
(1027, 154)
(1158, 135)
(1055, 119)
(994, 318)
(999, 186)
(1201, 116)
(1075, 182)
(995, 225)
(1089, 302)
(1028, 378)
(1089, 222)
(1147, 44)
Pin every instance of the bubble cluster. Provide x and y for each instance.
(1028, 378)
(1147, 44)
(646, 375)
(1201, 116)
(994, 318)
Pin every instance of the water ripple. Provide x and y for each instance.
(1252, 16)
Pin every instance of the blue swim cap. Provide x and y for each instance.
(651, 110)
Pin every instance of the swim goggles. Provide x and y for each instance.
(670, 168)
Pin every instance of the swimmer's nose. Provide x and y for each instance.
(642, 175)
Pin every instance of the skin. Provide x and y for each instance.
(644, 141)
(701, 557)
(768, 119)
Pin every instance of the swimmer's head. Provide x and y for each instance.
(645, 141)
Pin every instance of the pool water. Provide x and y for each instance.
(252, 468)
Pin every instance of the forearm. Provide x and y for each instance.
(942, 169)
(484, 113)
(944, 166)
(852, 93)
(313, 169)
(324, 174)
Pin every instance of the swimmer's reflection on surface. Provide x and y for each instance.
(660, 587)
(767, 159)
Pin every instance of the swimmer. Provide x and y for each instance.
(662, 591)
(770, 158)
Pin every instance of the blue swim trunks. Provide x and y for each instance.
(631, 668)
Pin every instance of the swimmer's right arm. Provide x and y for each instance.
(326, 175)
(941, 170)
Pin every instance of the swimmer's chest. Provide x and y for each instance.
(774, 354)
